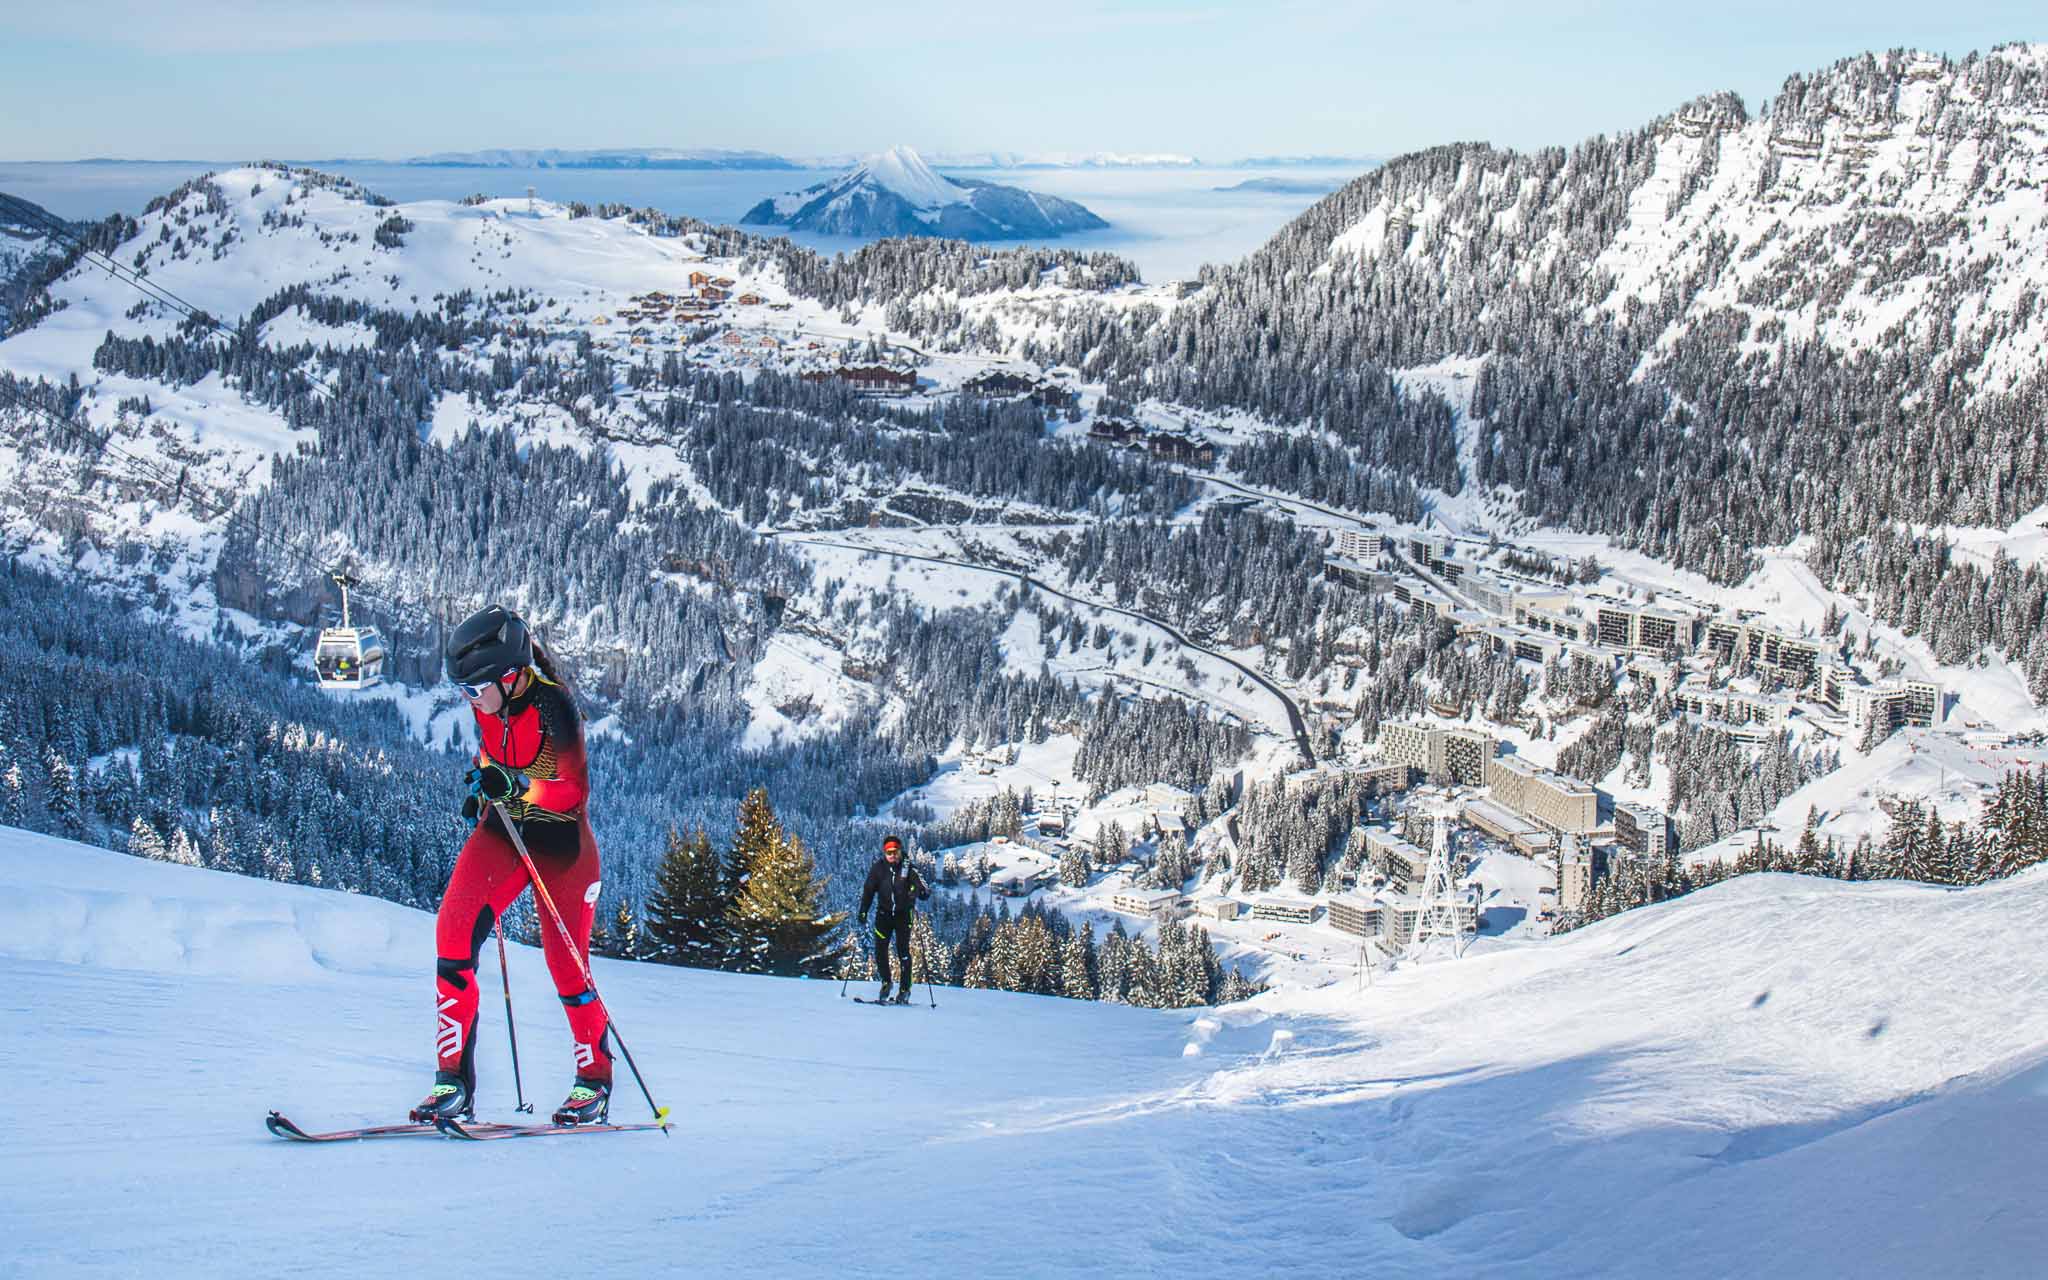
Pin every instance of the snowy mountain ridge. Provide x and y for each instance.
(1895, 200)
(896, 193)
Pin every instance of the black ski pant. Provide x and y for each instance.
(899, 928)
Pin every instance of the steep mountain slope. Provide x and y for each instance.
(27, 252)
(896, 193)
(1758, 1079)
(1710, 334)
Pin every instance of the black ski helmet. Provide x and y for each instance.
(489, 643)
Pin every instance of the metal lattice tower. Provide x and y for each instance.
(1436, 918)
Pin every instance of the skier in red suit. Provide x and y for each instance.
(531, 763)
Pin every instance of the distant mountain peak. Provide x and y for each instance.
(895, 193)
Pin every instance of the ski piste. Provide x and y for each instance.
(491, 1132)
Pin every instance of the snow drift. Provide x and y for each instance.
(1774, 1076)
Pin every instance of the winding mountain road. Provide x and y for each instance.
(1297, 724)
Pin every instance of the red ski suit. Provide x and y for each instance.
(540, 735)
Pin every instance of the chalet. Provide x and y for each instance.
(772, 343)
(750, 299)
(1173, 446)
(999, 383)
(724, 282)
(712, 293)
(734, 339)
(1114, 431)
(878, 379)
(1053, 397)
(657, 297)
(698, 278)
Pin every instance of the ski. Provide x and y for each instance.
(904, 1004)
(284, 1128)
(489, 1132)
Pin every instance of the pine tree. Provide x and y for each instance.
(186, 854)
(60, 792)
(778, 920)
(145, 841)
(1073, 867)
(13, 796)
(686, 912)
(1077, 958)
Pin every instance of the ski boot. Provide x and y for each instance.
(883, 997)
(589, 1102)
(451, 1098)
(903, 992)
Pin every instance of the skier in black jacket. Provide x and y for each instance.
(893, 888)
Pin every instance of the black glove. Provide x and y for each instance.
(491, 783)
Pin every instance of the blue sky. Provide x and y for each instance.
(230, 79)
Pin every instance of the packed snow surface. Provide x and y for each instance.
(1774, 1077)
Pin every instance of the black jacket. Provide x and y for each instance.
(894, 891)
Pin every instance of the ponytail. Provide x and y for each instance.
(544, 666)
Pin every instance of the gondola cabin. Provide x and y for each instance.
(348, 657)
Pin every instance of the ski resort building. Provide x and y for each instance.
(1892, 704)
(1551, 799)
(1156, 904)
(1435, 750)
(1360, 545)
(1414, 591)
(1643, 831)
(1401, 912)
(1750, 717)
(1285, 910)
(1434, 554)
(1524, 836)
(1401, 864)
(1556, 620)
(1357, 574)
(1746, 638)
(1574, 874)
(1619, 624)
(1354, 914)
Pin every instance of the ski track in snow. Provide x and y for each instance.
(1755, 1079)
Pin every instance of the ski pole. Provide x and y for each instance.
(928, 983)
(511, 1031)
(848, 975)
(540, 890)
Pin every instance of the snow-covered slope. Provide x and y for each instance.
(1894, 200)
(25, 246)
(1758, 1079)
(897, 193)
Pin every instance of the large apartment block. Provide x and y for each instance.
(1643, 831)
(1558, 802)
(1892, 703)
(1459, 754)
(1619, 624)
(1434, 554)
(1359, 545)
(1764, 645)
(1574, 875)
(1554, 619)
(1750, 717)
(1401, 864)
